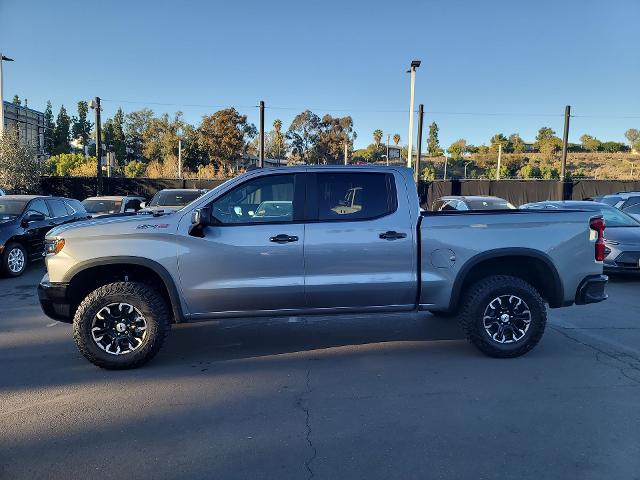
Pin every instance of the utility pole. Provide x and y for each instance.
(499, 161)
(414, 64)
(261, 163)
(95, 104)
(346, 152)
(565, 142)
(416, 174)
(5, 59)
(180, 158)
(388, 137)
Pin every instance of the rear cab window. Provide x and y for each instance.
(353, 196)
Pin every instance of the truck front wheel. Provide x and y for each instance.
(503, 316)
(121, 325)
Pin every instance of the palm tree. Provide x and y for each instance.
(396, 138)
(377, 136)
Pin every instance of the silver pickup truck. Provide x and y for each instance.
(318, 240)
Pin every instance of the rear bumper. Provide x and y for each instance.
(54, 300)
(591, 290)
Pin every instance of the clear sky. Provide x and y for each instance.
(513, 64)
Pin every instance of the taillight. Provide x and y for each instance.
(597, 224)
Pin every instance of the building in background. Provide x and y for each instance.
(30, 125)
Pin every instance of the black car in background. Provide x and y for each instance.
(24, 222)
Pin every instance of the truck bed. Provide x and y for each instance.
(454, 242)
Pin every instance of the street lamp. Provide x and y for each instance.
(95, 105)
(2, 59)
(412, 70)
(465, 169)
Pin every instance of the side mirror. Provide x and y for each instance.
(200, 218)
(32, 217)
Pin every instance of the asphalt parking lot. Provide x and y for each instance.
(395, 396)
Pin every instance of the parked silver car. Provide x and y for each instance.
(474, 202)
(170, 199)
(628, 202)
(113, 205)
(622, 233)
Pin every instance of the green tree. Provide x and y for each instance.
(279, 147)
(134, 169)
(633, 135)
(428, 172)
(333, 134)
(71, 164)
(433, 144)
(549, 172)
(81, 127)
(547, 143)
(613, 147)
(377, 136)
(499, 139)
(119, 140)
(136, 123)
(62, 132)
(516, 144)
(396, 139)
(589, 143)
(19, 166)
(303, 134)
(49, 129)
(224, 136)
(529, 171)
(457, 149)
(16, 100)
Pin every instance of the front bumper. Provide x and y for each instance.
(54, 300)
(591, 290)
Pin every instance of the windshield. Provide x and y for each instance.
(611, 201)
(102, 206)
(11, 208)
(173, 199)
(489, 204)
(615, 218)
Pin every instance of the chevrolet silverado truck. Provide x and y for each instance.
(278, 242)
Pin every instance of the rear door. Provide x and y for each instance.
(359, 242)
(59, 213)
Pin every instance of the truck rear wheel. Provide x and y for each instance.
(503, 316)
(121, 325)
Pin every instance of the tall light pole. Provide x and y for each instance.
(95, 104)
(2, 59)
(412, 70)
(465, 169)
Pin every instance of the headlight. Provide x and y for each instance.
(51, 247)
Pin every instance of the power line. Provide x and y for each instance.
(360, 110)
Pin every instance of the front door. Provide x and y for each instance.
(360, 245)
(35, 231)
(250, 259)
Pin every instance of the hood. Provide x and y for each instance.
(623, 235)
(116, 225)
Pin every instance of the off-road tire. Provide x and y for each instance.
(4, 267)
(143, 297)
(477, 299)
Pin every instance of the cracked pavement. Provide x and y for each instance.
(391, 396)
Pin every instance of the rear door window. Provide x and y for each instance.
(354, 196)
(57, 208)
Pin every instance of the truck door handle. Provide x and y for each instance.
(392, 235)
(283, 238)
